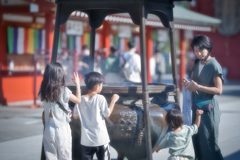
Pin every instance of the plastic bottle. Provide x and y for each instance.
(37, 66)
(11, 65)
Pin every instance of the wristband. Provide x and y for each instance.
(78, 91)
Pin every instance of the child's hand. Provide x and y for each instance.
(199, 112)
(76, 79)
(115, 97)
(157, 149)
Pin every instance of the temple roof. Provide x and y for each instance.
(184, 15)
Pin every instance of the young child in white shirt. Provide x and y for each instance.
(91, 111)
(179, 140)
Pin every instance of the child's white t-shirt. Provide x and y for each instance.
(180, 143)
(91, 114)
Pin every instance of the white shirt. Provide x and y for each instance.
(91, 113)
(135, 63)
(200, 68)
(152, 66)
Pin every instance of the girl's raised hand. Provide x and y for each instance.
(76, 79)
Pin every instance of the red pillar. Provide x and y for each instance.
(3, 53)
(49, 33)
(149, 51)
(106, 37)
(182, 69)
(3, 41)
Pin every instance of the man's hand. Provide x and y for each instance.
(193, 86)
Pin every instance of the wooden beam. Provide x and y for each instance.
(24, 10)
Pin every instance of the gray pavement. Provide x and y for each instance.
(21, 129)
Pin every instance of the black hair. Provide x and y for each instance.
(113, 49)
(53, 80)
(174, 118)
(131, 44)
(93, 78)
(202, 42)
(85, 47)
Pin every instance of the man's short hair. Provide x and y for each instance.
(131, 44)
(113, 49)
(85, 47)
(93, 78)
(174, 118)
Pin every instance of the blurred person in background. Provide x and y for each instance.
(132, 58)
(190, 63)
(65, 60)
(153, 69)
(84, 63)
(110, 66)
(160, 64)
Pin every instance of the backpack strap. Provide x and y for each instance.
(62, 108)
(125, 61)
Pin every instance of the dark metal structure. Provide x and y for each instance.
(97, 10)
(126, 127)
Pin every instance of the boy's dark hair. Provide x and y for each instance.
(93, 78)
(202, 42)
(174, 118)
(53, 80)
(131, 44)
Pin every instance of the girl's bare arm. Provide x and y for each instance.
(77, 97)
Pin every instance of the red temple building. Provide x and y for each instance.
(226, 38)
(26, 36)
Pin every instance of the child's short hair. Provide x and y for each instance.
(92, 79)
(174, 118)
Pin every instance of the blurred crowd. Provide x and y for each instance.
(117, 67)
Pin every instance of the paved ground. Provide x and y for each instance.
(21, 129)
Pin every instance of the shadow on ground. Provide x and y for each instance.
(231, 92)
(230, 112)
(234, 156)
